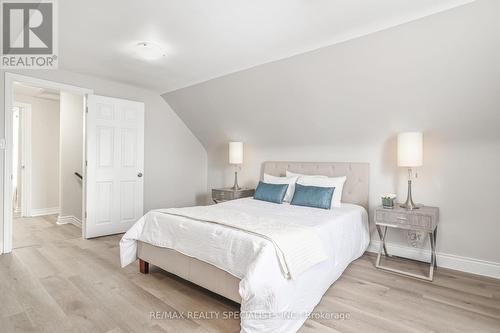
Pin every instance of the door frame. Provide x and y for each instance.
(25, 150)
(10, 79)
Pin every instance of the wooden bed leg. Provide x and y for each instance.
(143, 266)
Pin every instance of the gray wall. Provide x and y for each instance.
(175, 162)
(70, 154)
(440, 74)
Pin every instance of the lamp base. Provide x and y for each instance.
(235, 186)
(409, 204)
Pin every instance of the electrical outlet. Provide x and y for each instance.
(415, 238)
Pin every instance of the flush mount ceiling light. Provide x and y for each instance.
(149, 51)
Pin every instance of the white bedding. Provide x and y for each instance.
(268, 298)
(297, 246)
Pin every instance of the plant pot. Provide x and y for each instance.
(388, 203)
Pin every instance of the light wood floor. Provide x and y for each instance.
(56, 282)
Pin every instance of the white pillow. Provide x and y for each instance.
(283, 180)
(337, 182)
(293, 174)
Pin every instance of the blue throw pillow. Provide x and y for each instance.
(270, 192)
(313, 196)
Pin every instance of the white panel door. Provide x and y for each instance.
(115, 164)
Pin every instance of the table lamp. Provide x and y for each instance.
(236, 159)
(410, 155)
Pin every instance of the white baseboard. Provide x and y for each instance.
(44, 211)
(464, 264)
(69, 220)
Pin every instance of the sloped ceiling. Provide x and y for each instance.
(438, 73)
(207, 39)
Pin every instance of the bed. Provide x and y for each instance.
(244, 266)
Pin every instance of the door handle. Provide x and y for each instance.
(139, 174)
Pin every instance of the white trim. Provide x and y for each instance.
(84, 166)
(47, 84)
(9, 79)
(445, 260)
(25, 149)
(69, 220)
(44, 211)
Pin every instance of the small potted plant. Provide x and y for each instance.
(388, 200)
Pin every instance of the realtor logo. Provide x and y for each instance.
(28, 34)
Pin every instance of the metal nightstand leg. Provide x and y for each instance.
(432, 264)
(435, 237)
(432, 237)
(382, 245)
(380, 236)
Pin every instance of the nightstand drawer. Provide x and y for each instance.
(225, 194)
(399, 218)
(222, 195)
(243, 194)
(423, 221)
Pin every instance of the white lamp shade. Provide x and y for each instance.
(235, 152)
(410, 149)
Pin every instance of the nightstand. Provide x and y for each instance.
(226, 194)
(423, 219)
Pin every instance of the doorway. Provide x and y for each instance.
(21, 160)
(47, 164)
(112, 166)
(34, 169)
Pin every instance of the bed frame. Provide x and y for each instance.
(356, 191)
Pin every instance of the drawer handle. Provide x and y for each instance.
(401, 218)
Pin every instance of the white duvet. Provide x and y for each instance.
(271, 302)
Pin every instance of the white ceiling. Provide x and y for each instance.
(206, 39)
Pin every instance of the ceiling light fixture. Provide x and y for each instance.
(149, 51)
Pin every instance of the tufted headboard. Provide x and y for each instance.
(356, 188)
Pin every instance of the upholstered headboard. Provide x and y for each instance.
(356, 188)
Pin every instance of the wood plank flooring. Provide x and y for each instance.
(54, 281)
